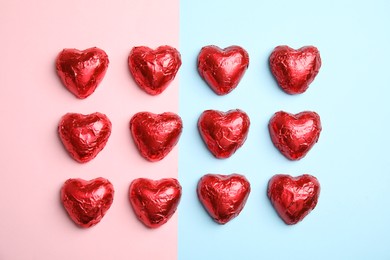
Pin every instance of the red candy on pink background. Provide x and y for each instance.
(293, 197)
(154, 70)
(84, 136)
(223, 196)
(87, 201)
(294, 70)
(223, 132)
(155, 135)
(294, 135)
(154, 201)
(82, 71)
(222, 69)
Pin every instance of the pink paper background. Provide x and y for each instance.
(34, 164)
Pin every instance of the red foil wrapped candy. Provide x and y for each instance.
(155, 135)
(222, 69)
(87, 201)
(84, 136)
(154, 201)
(294, 70)
(294, 135)
(223, 132)
(154, 70)
(293, 197)
(82, 71)
(223, 196)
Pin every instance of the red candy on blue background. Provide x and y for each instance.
(294, 70)
(222, 69)
(293, 197)
(223, 196)
(223, 132)
(295, 135)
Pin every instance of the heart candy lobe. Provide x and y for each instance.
(293, 197)
(294, 70)
(82, 71)
(222, 69)
(154, 201)
(86, 202)
(294, 135)
(84, 136)
(154, 70)
(223, 196)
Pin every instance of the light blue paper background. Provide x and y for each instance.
(351, 160)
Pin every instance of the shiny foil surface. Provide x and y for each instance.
(223, 196)
(293, 197)
(154, 201)
(294, 135)
(155, 135)
(154, 70)
(222, 69)
(87, 201)
(223, 132)
(82, 71)
(84, 136)
(294, 70)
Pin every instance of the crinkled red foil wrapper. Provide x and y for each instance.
(294, 70)
(155, 135)
(82, 71)
(154, 201)
(223, 196)
(222, 69)
(87, 201)
(84, 136)
(154, 70)
(223, 132)
(295, 135)
(293, 197)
